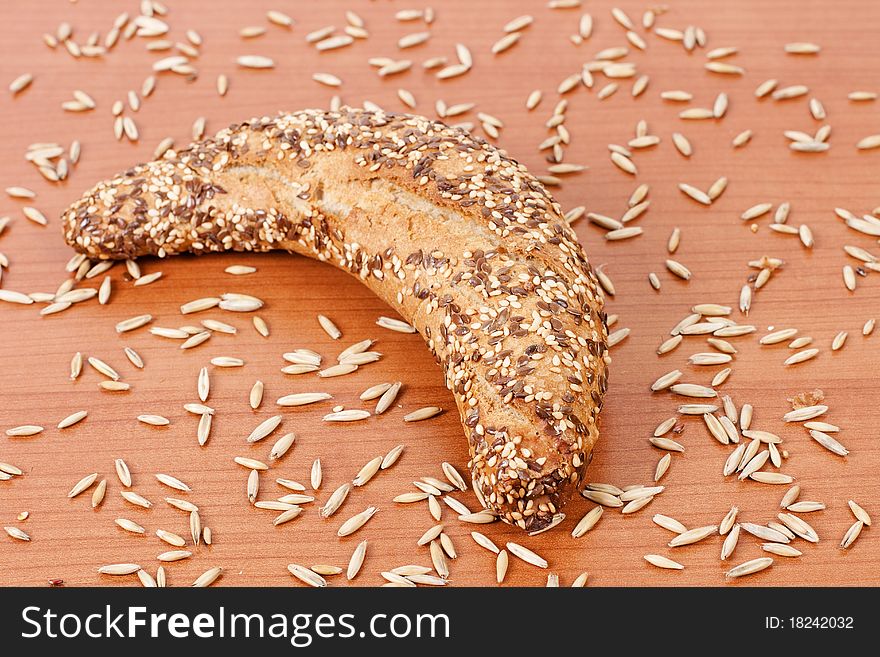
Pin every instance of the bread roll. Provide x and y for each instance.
(457, 237)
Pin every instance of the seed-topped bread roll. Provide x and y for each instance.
(457, 237)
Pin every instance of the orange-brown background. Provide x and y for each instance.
(70, 539)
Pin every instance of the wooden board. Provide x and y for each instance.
(70, 540)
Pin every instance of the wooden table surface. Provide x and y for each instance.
(70, 539)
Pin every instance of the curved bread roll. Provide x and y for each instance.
(457, 237)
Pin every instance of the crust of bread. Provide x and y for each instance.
(447, 229)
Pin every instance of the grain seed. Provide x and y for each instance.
(303, 398)
(251, 464)
(616, 337)
(286, 515)
(822, 426)
(771, 478)
(764, 533)
(20, 83)
(501, 565)
(781, 550)
(130, 526)
(430, 535)
(669, 345)
(195, 340)
(852, 534)
(668, 523)
(9, 470)
(174, 555)
(829, 443)
(195, 527)
(526, 555)
(281, 446)
(728, 521)
(392, 456)
(583, 526)
(119, 569)
(357, 521)
(802, 48)
(199, 305)
(11, 296)
(203, 431)
(603, 498)
(716, 428)
(667, 380)
(730, 542)
(335, 501)
(696, 114)
(754, 464)
(172, 482)
(83, 484)
(479, 518)
(778, 336)
(227, 361)
(721, 376)
(410, 498)
(455, 505)
(801, 356)
(265, 428)
(734, 459)
(696, 194)
(678, 269)
(275, 505)
(133, 322)
(505, 42)
(682, 144)
(750, 567)
(805, 413)
(255, 61)
(806, 506)
(240, 303)
(425, 487)
(367, 472)
(72, 419)
(622, 162)
(676, 95)
(99, 493)
(793, 91)
(253, 485)
(296, 498)
(327, 79)
(693, 390)
(697, 409)
(340, 369)
(134, 498)
(663, 562)
(799, 526)
(122, 472)
(356, 348)
(666, 444)
(693, 536)
(374, 391)
(208, 577)
(350, 415)
(34, 215)
(453, 476)
(388, 397)
(422, 414)
(637, 504)
(742, 138)
(154, 420)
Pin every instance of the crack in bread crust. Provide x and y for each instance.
(460, 239)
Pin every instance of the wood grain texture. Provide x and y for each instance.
(70, 540)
